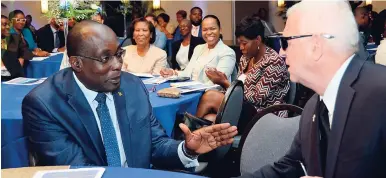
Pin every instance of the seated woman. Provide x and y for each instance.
(262, 70)
(143, 56)
(380, 57)
(182, 50)
(13, 52)
(18, 22)
(166, 27)
(213, 55)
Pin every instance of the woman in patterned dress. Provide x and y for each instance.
(263, 72)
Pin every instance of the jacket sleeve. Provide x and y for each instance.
(160, 63)
(226, 63)
(164, 149)
(48, 140)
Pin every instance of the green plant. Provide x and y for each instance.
(77, 9)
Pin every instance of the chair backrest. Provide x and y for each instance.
(267, 138)
(230, 110)
(291, 94)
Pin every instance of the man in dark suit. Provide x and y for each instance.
(94, 114)
(187, 39)
(51, 37)
(196, 19)
(342, 130)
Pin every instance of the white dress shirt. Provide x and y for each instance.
(380, 57)
(91, 95)
(195, 30)
(329, 97)
(54, 34)
(182, 56)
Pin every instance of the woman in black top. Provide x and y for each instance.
(179, 62)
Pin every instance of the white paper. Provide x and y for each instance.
(25, 81)
(71, 173)
(182, 84)
(39, 58)
(155, 80)
(142, 75)
(199, 87)
(43, 58)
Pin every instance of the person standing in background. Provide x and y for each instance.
(196, 19)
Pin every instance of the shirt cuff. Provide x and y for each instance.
(187, 162)
(55, 50)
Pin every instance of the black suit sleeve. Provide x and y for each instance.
(49, 141)
(287, 166)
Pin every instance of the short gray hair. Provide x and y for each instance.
(333, 17)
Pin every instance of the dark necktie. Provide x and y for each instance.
(57, 40)
(108, 132)
(324, 128)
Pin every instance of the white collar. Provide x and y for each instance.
(89, 94)
(53, 29)
(331, 92)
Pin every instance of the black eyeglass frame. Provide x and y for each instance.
(104, 59)
(284, 39)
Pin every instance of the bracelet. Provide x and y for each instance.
(189, 155)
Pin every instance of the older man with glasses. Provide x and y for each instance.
(342, 130)
(93, 114)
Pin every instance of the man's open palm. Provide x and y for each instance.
(208, 138)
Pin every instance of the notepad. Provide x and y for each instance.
(25, 81)
(71, 173)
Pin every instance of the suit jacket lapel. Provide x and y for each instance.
(342, 107)
(124, 124)
(80, 105)
(313, 166)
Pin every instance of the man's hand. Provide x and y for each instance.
(42, 54)
(208, 138)
(216, 76)
(62, 49)
(21, 61)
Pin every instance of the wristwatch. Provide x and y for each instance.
(189, 154)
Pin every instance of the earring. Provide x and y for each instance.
(258, 47)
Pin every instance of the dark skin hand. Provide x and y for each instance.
(217, 77)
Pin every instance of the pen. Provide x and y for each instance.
(304, 169)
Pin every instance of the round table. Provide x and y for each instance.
(110, 172)
(14, 143)
(44, 68)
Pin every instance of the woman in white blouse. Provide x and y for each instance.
(380, 57)
(214, 54)
(142, 56)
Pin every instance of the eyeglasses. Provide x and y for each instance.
(284, 39)
(104, 59)
(20, 20)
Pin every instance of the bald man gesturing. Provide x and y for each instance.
(94, 114)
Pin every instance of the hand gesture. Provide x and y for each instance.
(208, 138)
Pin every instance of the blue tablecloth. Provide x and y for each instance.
(371, 48)
(113, 172)
(14, 144)
(44, 68)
